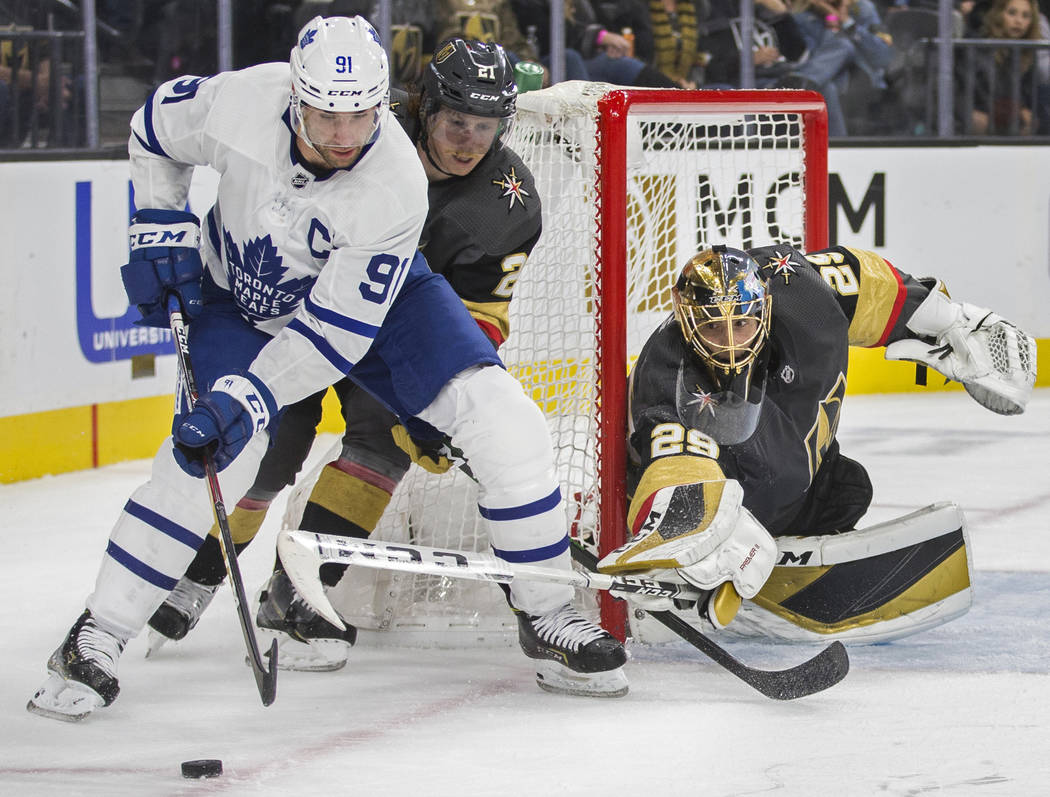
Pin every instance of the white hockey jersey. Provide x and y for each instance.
(330, 252)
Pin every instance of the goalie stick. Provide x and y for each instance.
(303, 553)
(265, 680)
(825, 669)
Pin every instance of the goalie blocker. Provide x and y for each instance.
(877, 584)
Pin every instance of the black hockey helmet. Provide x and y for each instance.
(470, 76)
(723, 307)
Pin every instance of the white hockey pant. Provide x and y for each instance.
(505, 438)
(157, 535)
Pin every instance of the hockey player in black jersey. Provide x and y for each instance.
(734, 406)
(483, 222)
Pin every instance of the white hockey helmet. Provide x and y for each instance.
(339, 65)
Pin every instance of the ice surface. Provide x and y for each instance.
(960, 710)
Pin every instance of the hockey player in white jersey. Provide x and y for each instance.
(310, 271)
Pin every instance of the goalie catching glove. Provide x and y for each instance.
(701, 534)
(992, 358)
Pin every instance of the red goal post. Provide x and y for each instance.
(807, 134)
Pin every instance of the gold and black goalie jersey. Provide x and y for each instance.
(822, 303)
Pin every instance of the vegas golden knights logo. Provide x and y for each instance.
(478, 26)
(826, 425)
(406, 54)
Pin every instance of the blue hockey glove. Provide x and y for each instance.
(222, 422)
(165, 258)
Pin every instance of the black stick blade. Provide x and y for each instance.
(825, 669)
(266, 680)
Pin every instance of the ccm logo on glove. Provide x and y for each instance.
(183, 237)
(222, 422)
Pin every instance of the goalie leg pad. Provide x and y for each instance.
(872, 585)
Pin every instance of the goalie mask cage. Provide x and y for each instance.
(633, 183)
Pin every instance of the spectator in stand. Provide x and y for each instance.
(186, 34)
(994, 113)
(26, 73)
(777, 44)
(487, 21)
(842, 35)
(606, 53)
(675, 50)
(496, 21)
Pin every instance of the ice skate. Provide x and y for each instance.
(83, 673)
(306, 641)
(575, 656)
(179, 613)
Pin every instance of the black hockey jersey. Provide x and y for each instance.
(822, 303)
(480, 230)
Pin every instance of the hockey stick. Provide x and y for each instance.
(306, 551)
(265, 680)
(825, 669)
(303, 553)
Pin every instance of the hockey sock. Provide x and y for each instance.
(208, 566)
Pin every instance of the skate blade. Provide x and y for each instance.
(319, 655)
(559, 679)
(66, 701)
(154, 642)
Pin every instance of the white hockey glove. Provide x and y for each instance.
(993, 359)
(682, 540)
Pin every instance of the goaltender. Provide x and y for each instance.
(734, 406)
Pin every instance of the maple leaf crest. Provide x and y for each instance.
(260, 262)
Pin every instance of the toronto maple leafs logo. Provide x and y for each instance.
(256, 273)
(511, 185)
(308, 38)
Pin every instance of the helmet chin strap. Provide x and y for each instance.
(426, 151)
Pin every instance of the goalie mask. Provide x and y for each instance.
(340, 82)
(723, 309)
(468, 102)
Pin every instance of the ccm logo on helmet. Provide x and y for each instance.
(477, 95)
(345, 93)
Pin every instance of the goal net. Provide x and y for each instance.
(632, 184)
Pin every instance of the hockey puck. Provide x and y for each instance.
(202, 768)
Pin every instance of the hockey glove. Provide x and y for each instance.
(699, 533)
(434, 456)
(222, 422)
(994, 360)
(165, 258)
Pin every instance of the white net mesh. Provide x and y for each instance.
(695, 177)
